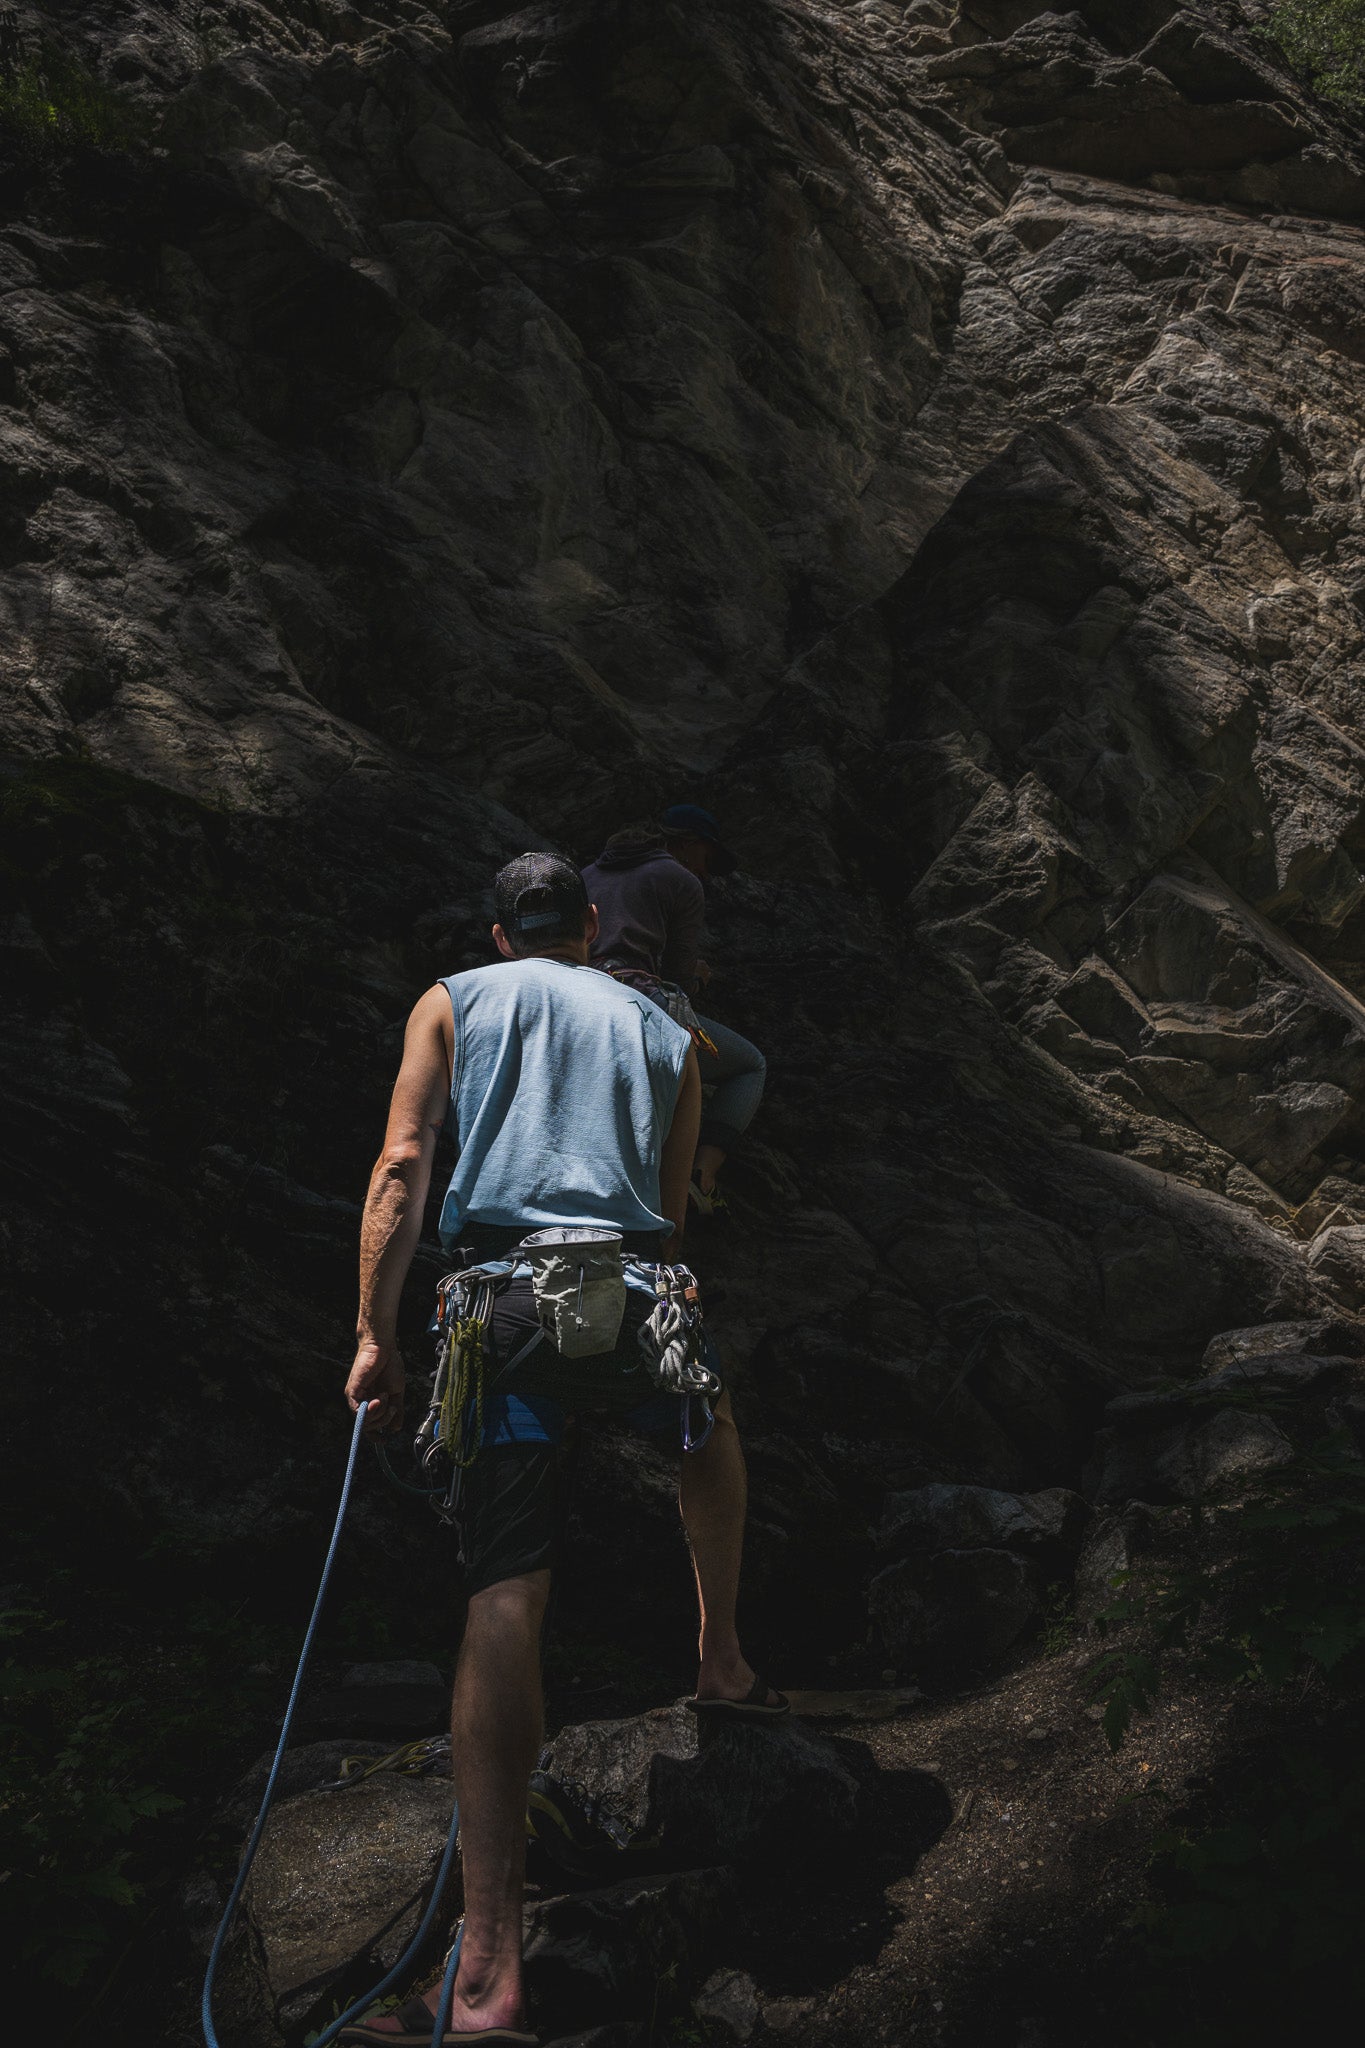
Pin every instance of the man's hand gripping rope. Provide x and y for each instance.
(378, 1377)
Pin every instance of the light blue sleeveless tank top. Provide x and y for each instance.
(562, 1091)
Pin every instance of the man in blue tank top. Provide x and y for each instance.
(573, 1100)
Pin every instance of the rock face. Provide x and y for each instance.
(969, 1572)
(1213, 1438)
(931, 437)
(599, 1953)
(336, 1893)
(343, 1875)
(727, 1793)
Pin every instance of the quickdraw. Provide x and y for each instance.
(451, 1433)
(673, 1338)
(459, 1394)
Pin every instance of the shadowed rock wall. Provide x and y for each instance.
(931, 436)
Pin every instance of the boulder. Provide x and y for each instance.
(306, 1768)
(713, 1793)
(1202, 1438)
(338, 1887)
(954, 1610)
(1113, 1543)
(1263, 1373)
(597, 1955)
(402, 1699)
(1346, 1415)
(969, 1571)
(1338, 1254)
(1190, 1459)
(1323, 1335)
(728, 2004)
(974, 1517)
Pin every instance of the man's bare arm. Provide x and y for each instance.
(680, 1148)
(392, 1220)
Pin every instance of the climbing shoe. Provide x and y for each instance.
(571, 1836)
(563, 1813)
(707, 1201)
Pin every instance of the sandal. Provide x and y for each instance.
(756, 1705)
(415, 2022)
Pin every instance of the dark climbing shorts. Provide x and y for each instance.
(516, 1492)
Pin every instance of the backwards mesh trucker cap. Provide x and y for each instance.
(540, 898)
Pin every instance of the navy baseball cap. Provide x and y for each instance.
(690, 821)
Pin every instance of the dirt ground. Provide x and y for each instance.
(989, 1899)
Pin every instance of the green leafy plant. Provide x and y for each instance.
(102, 1762)
(51, 104)
(72, 1800)
(1278, 1594)
(1258, 1889)
(1057, 1627)
(1325, 41)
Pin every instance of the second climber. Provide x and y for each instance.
(648, 885)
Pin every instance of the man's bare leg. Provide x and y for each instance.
(713, 1496)
(495, 1736)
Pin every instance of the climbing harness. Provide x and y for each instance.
(670, 997)
(414, 1947)
(580, 1278)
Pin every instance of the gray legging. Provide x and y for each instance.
(737, 1074)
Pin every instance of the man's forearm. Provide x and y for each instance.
(389, 1231)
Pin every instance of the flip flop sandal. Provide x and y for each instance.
(415, 2022)
(755, 1706)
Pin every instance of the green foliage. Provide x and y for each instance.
(101, 1756)
(1325, 41)
(1057, 1629)
(74, 791)
(1257, 1901)
(51, 105)
(71, 1802)
(1255, 1922)
(1289, 1872)
(1279, 1596)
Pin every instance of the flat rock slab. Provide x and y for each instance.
(713, 1792)
(871, 1705)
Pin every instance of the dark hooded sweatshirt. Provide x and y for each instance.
(651, 908)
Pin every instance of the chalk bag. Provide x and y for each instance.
(579, 1287)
